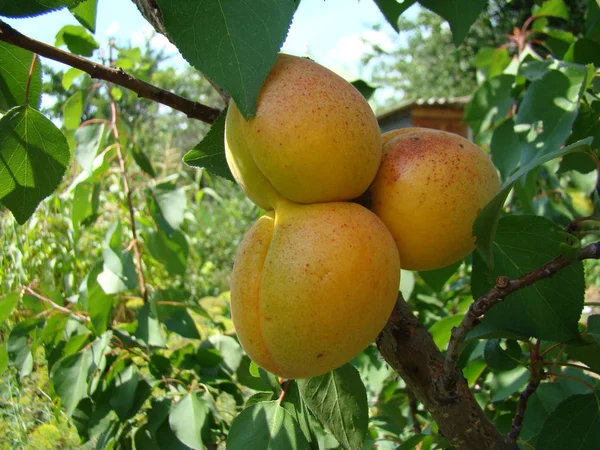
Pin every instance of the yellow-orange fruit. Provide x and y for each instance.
(429, 189)
(312, 286)
(314, 137)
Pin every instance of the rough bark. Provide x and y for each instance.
(409, 349)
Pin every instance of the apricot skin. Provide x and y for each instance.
(314, 137)
(429, 189)
(312, 286)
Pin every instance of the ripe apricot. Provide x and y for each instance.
(312, 286)
(314, 137)
(429, 189)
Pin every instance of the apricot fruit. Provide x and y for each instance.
(314, 137)
(312, 286)
(429, 189)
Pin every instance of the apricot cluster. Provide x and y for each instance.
(316, 278)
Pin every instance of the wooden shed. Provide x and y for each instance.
(439, 113)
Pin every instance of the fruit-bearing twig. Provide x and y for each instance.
(193, 110)
(503, 287)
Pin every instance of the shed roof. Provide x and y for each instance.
(440, 102)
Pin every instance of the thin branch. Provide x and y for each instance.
(503, 287)
(566, 364)
(193, 110)
(56, 306)
(128, 195)
(515, 428)
(572, 378)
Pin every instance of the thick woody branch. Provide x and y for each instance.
(503, 287)
(193, 110)
(409, 349)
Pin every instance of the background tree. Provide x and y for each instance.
(427, 64)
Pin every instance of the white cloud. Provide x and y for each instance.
(345, 56)
(113, 29)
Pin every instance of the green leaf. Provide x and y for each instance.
(34, 156)
(76, 376)
(436, 279)
(28, 8)
(85, 13)
(574, 423)
(259, 397)
(99, 303)
(187, 419)
(486, 222)
(69, 378)
(549, 108)
(505, 148)
(119, 272)
(89, 141)
(440, 331)
(142, 160)
(210, 152)
(292, 402)
(552, 8)
(592, 20)
(584, 51)
(460, 14)
(539, 406)
(490, 103)
(550, 308)
(77, 40)
(73, 110)
(86, 201)
(7, 304)
(70, 76)
(265, 426)
(18, 345)
(594, 327)
(505, 384)
(3, 358)
(15, 63)
(123, 392)
(499, 359)
(392, 10)
(492, 61)
(338, 400)
(364, 88)
(168, 205)
(149, 329)
(171, 251)
(234, 43)
(175, 317)
(228, 348)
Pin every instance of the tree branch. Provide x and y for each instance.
(503, 287)
(193, 110)
(517, 423)
(80, 316)
(409, 349)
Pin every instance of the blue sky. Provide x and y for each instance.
(327, 30)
